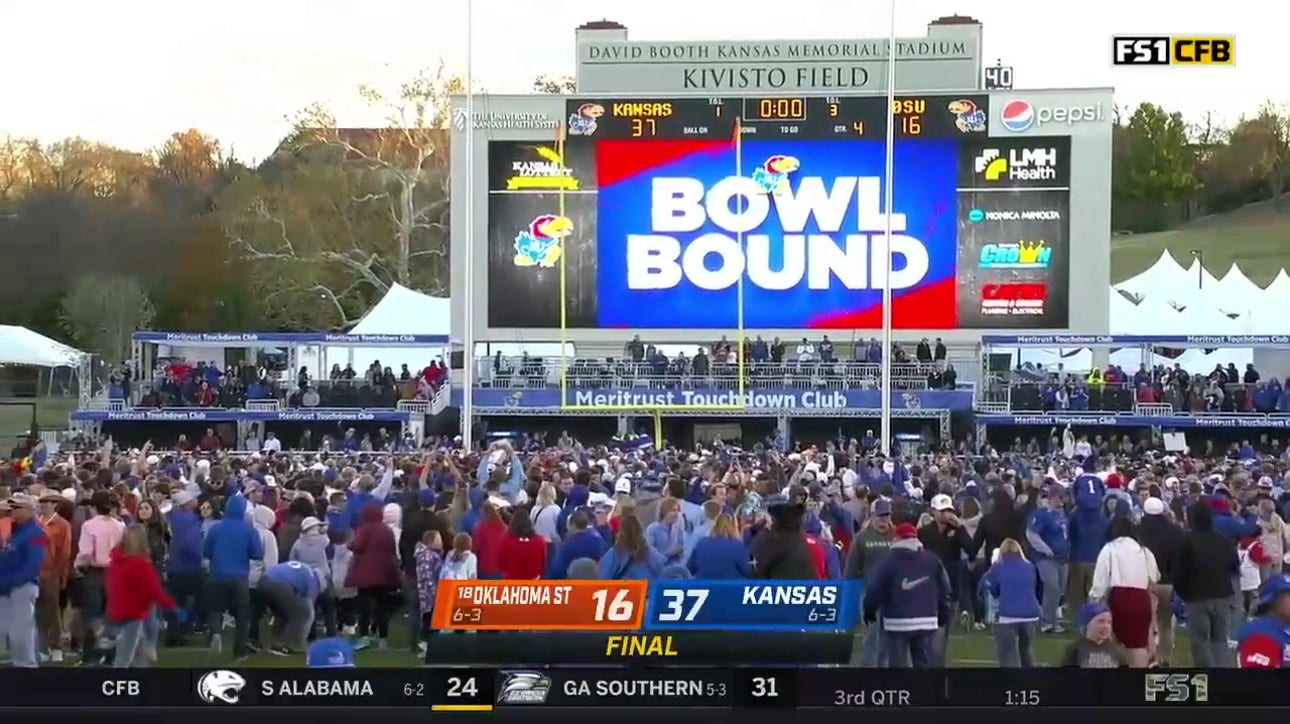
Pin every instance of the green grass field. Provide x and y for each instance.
(15, 415)
(1256, 237)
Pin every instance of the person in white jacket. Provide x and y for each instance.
(1123, 576)
(262, 518)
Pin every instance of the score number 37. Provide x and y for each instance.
(679, 605)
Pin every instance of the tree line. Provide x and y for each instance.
(102, 240)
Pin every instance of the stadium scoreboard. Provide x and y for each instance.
(798, 117)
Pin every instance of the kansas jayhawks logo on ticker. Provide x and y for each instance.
(539, 245)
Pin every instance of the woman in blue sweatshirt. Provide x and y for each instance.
(1012, 580)
(630, 559)
(667, 534)
(721, 554)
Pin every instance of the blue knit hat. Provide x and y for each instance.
(1088, 612)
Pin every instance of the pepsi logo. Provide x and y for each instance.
(1017, 116)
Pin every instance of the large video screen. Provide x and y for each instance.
(684, 233)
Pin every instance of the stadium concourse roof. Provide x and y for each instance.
(21, 346)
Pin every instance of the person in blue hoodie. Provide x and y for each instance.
(720, 555)
(667, 534)
(183, 564)
(1088, 526)
(20, 563)
(911, 591)
(580, 541)
(576, 500)
(290, 589)
(230, 546)
(630, 558)
(1011, 580)
(1048, 538)
(470, 519)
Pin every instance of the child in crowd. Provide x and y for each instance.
(1094, 649)
(429, 564)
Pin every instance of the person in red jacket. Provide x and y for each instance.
(374, 571)
(133, 589)
(523, 552)
(488, 536)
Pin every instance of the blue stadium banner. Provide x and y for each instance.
(1136, 340)
(787, 400)
(746, 604)
(1253, 421)
(244, 339)
(217, 414)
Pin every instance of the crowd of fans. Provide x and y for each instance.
(810, 364)
(114, 555)
(1112, 389)
(180, 383)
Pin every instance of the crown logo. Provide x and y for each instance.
(1032, 252)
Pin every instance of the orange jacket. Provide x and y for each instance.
(58, 552)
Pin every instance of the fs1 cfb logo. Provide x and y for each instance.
(1020, 164)
(1166, 50)
(1019, 116)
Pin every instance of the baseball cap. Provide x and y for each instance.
(942, 502)
(332, 653)
(624, 485)
(1154, 506)
(425, 497)
(882, 506)
(906, 530)
(183, 498)
(1274, 587)
(310, 523)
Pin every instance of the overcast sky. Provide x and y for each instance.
(132, 71)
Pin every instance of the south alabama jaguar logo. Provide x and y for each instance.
(539, 244)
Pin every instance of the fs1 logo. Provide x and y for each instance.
(1177, 688)
(1021, 164)
(1166, 50)
(740, 205)
(1021, 255)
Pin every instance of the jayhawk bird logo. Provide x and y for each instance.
(582, 122)
(515, 399)
(912, 401)
(539, 244)
(968, 117)
(772, 177)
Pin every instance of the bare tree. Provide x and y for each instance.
(102, 311)
(364, 210)
(556, 85)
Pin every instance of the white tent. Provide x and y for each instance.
(1163, 272)
(1235, 293)
(21, 346)
(400, 311)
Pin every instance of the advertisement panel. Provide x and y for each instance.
(529, 231)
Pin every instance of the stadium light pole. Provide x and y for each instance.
(467, 283)
(884, 386)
